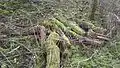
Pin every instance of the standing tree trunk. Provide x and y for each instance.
(53, 51)
(94, 8)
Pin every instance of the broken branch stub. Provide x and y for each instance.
(52, 50)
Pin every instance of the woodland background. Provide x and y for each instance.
(74, 33)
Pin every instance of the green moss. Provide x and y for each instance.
(53, 52)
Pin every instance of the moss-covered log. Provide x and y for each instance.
(90, 25)
(73, 26)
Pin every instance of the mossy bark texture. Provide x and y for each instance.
(94, 8)
(53, 52)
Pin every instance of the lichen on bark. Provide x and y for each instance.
(52, 50)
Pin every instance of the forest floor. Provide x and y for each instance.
(21, 48)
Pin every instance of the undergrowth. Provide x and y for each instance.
(24, 52)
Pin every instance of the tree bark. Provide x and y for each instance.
(94, 8)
